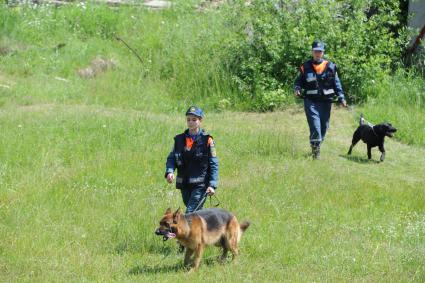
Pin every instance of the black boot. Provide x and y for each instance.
(315, 151)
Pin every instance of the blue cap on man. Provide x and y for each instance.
(318, 46)
(194, 110)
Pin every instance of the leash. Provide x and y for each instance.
(204, 197)
(334, 101)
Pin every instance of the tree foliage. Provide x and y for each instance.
(276, 36)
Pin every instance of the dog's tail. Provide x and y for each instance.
(244, 225)
(362, 120)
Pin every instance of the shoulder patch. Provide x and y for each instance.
(213, 152)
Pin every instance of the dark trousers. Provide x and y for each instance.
(318, 114)
(192, 195)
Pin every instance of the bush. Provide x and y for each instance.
(276, 36)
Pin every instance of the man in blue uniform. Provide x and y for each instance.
(318, 83)
(194, 156)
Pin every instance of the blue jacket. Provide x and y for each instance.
(195, 159)
(319, 81)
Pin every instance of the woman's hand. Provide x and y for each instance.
(170, 178)
(210, 191)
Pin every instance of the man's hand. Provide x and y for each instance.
(297, 93)
(344, 103)
(170, 178)
(210, 191)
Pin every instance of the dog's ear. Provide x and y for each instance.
(176, 215)
(168, 211)
(178, 211)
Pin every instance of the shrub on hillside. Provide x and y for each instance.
(275, 39)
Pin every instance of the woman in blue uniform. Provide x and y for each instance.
(318, 83)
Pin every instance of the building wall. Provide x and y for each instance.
(417, 13)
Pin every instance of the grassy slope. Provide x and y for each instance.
(83, 189)
(171, 43)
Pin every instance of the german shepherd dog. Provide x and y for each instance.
(202, 228)
(372, 135)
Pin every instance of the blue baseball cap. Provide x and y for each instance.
(194, 110)
(318, 46)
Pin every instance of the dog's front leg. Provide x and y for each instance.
(187, 256)
(224, 254)
(369, 152)
(382, 150)
(198, 255)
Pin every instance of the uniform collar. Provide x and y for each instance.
(187, 134)
(320, 61)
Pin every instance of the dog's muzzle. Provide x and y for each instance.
(165, 234)
(391, 133)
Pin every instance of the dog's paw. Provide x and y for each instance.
(191, 270)
(222, 259)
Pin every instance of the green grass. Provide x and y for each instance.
(181, 50)
(82, 162)
(83, 190)
(184, 56)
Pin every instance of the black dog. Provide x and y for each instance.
(372, 136)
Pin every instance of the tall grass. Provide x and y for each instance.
(181, 51)
(399, 99)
